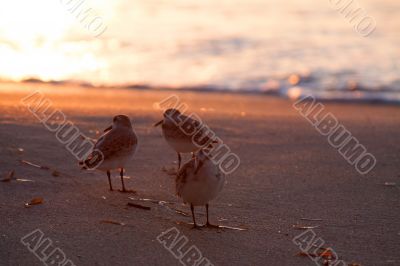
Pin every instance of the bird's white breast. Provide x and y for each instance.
(203, 187)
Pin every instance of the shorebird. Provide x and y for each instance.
(198, 182)
(114, 149)
(181, 141)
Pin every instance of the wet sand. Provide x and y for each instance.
(288, 172)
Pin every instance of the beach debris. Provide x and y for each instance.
(55, 173)
(389, 184)
(34, 201)
(171, 208)
(311, 219)
(112, 222)
(327, 254)
(34, 165)
(168, 205)
(21, 150)
(215, 226)
(183, 213)
(181, 222)
(159, 202)
(304, 227)
(8, 176)
(232, 228)
(103, 197)
(11, 175)
(24, 180)
(322, 252)
(131, 204)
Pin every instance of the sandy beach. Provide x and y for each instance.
(288, 175)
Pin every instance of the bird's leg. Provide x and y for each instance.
(179, 160)
(122, 179)
(123, 190)
(208, 223)
(193, 216)
(109, 180)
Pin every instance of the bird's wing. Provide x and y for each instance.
(116, 142)
(186, 129)
(200, 164)
(181, 176)
(193, 122)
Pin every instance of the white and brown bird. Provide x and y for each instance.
(114, 149)
(179, 131)
(198, 182)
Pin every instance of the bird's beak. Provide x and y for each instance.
(108, 129)
(158, 123)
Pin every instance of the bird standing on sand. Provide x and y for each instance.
(198, 182)
(181, 141)
(116, 148)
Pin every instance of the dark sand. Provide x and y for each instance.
(288, 171)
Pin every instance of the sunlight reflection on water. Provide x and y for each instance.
(237, 45)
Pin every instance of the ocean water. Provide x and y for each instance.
(284, 47)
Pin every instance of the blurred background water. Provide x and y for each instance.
(287, 47)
